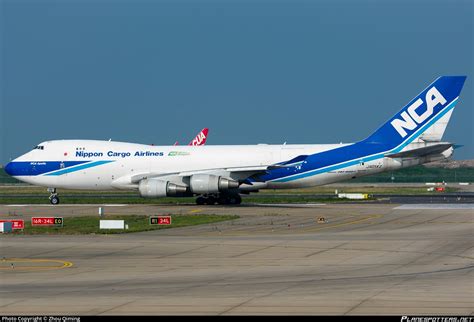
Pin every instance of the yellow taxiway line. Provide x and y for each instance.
(13, 261)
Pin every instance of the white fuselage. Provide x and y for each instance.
(117, 163)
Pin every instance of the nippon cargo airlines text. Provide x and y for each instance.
(220, 174)
(87, 155)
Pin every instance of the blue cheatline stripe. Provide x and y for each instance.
(78, 168)
(34, 168)
(368, 158)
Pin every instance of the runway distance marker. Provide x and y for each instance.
(160, 220)
(16, 223)
(47, 221)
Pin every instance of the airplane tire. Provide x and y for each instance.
(211, 200)
(235, 200)
(200, 200)
(222, 200)
(54, 200)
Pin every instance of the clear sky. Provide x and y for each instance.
(252, 71)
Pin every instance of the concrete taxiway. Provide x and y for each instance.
(281, 259)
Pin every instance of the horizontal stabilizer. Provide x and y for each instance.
(421, 152)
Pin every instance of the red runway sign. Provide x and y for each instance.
(47, 221)
(16, 223)
(160, 220)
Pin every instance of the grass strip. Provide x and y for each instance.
(136, 223)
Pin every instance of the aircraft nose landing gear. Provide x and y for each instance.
(53, 198)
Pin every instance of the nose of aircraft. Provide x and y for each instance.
(9, 168)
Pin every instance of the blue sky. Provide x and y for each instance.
(251, 71)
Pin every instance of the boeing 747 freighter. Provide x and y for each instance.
(219, 174)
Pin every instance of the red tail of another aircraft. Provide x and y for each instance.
(200, 139)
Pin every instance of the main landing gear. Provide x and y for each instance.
(53, 198)
(221, 199)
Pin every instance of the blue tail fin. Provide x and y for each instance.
(422, 114)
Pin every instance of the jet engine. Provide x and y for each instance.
(158, 188)
(208, 183)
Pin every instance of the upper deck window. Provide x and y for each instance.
(39, 147)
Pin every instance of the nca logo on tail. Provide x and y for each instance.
(412, 119)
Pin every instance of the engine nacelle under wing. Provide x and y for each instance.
(159, 188)
(208, 183)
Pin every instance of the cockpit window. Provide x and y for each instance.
(39, 147)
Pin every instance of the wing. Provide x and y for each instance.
(238, 174)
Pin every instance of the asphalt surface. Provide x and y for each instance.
(280, 259)
(453, 197)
